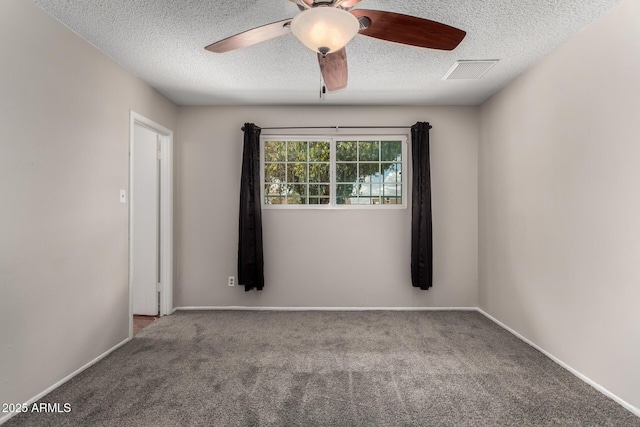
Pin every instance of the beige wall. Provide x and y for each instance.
(318, 258)
(64, 114)
(559, 212)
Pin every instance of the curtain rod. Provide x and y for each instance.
(333, 127)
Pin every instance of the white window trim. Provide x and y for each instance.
(332, 169)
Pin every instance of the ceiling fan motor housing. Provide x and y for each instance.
(325, 29)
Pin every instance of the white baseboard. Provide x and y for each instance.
(250, 308)
(583, 377)
(40, 395)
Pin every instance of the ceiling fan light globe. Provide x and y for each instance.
(325, 28)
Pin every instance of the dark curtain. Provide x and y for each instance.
(250, 257)
(421, 240)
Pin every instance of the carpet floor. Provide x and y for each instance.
(378, 368)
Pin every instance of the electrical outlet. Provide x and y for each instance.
(232, 281)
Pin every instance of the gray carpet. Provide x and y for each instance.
(242, 368)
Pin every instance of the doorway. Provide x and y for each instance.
(150, 219)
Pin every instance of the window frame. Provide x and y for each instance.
(333, 139)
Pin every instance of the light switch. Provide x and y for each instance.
(123, 196)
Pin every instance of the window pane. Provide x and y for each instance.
(345, 190)
(370, 172)
(274, 172)
(346, 151)
(319, 172)
(319, 151)
(364, 190)
(319, 190)
(364, 201)
(297, 172)
(376, 190)
(277, 200)
(369, 150)
(297, 200)
(392, 172)
(298, 190)
(392, 190)
(392, 194)
(297, 194)
(391, 151)
(297, 151)
(275, 189)
(275, 151)
(346, 172)
(392, 200)
(318, 200)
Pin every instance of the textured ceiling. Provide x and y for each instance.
(162, 42)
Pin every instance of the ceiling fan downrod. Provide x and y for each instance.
(308, 4)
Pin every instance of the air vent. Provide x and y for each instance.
(469, 70)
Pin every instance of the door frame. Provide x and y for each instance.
(166, 213)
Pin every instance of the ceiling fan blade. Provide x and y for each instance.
(411, 30)
(334, 69)
(251, 37)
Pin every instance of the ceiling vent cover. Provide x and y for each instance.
(469, 70)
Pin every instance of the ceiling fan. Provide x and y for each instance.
(326, 26)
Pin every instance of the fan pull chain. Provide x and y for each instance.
(323, 89)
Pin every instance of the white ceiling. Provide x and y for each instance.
(162, 42)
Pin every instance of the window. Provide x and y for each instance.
(336, 172)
